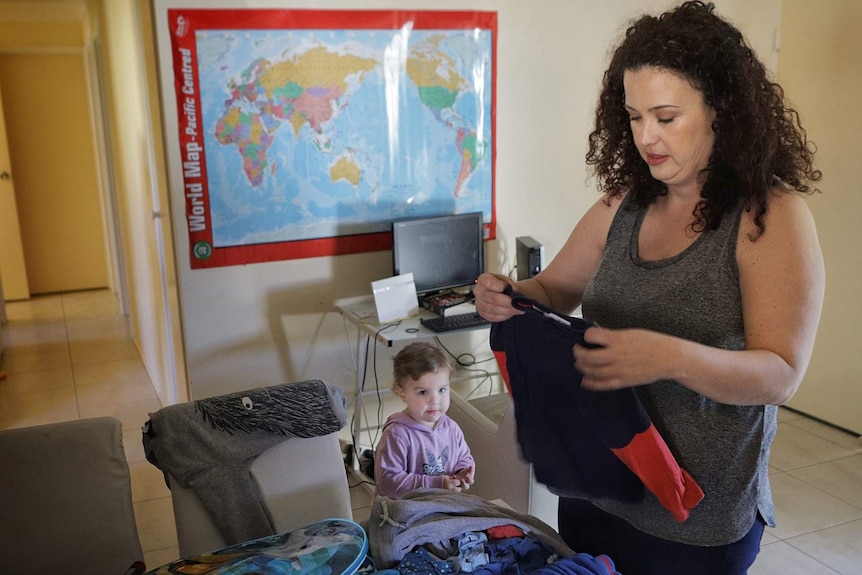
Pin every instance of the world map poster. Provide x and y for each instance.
(305, 133)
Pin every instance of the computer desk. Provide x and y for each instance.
(362, 313)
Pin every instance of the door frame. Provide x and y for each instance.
(16, 266)
(91, 56)
(100, 119)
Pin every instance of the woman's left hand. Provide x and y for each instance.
(624, 358)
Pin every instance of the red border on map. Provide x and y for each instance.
(183, 23)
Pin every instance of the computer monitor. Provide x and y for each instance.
(442, 252)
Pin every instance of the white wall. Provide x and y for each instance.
(133, 184)
(821, 69)
(266, 323)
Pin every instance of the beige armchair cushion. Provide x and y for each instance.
(66, 500)
(302, 480)
(501, 471)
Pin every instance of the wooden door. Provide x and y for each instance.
(52, 147)
(13, 273)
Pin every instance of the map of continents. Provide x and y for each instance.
(313, 134)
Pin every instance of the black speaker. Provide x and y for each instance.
(529, 256)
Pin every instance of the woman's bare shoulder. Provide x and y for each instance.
(787, 215)
(605, 208)
(788, 242)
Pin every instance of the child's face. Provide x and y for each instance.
(427, 398)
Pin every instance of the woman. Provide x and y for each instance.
(702, 266)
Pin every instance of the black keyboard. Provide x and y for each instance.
(453, 322)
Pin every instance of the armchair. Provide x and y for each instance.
(501, 472)
(253, 463)
(66, 499)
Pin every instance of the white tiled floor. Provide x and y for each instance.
(70, 356)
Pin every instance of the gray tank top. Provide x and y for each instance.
(693, 295)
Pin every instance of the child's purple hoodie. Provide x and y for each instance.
(410, 455)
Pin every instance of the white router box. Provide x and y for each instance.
(395, 298)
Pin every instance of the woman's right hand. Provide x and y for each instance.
(491, 302)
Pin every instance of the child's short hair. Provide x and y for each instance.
(417, 359)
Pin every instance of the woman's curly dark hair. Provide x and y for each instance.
(759, 142)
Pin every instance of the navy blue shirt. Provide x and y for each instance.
(581, 443)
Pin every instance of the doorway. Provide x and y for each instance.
(52, 148)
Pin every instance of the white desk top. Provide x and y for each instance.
(362, 313)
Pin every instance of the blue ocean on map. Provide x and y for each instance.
(312, 134)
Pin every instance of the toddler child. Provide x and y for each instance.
(421, 446)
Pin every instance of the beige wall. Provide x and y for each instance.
(820, 67)
(270, 322)
(136, 180)
(274, 321)
(109, 31)
(44, 34)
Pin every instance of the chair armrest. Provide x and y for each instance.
(302, 480)
(501, 472)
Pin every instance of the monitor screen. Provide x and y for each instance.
(442, 252)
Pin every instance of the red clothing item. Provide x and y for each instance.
(503, 532)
